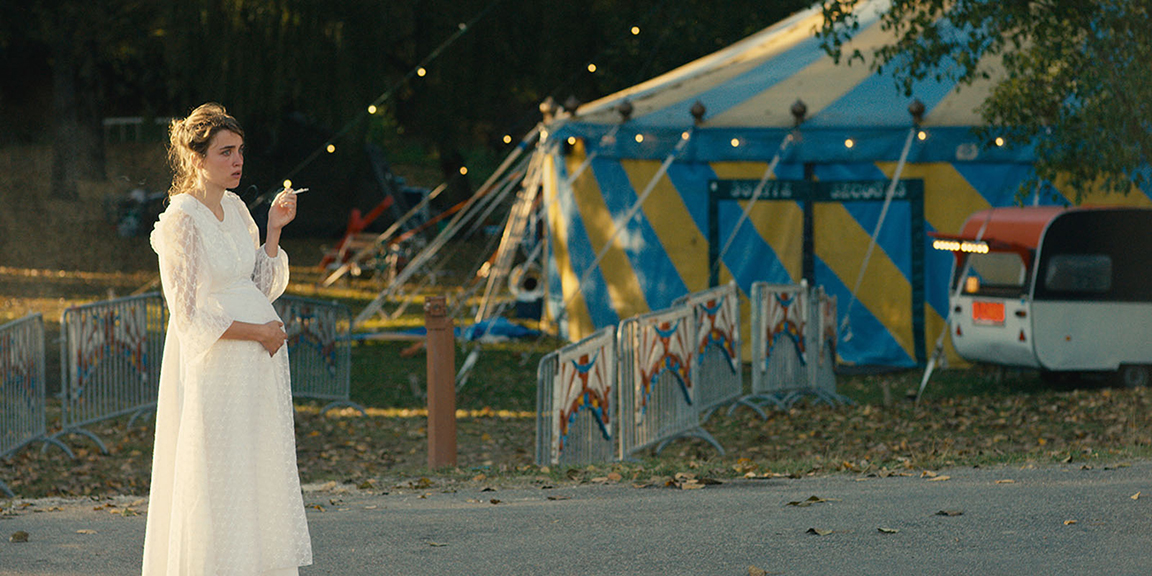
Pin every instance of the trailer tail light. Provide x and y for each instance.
(958, 333)
(1022, 339)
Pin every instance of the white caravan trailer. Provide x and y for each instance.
(1060, 290)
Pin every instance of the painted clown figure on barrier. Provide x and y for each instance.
(584, 386)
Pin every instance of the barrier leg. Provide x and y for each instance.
(693, 433)
(54, 439)
(54, 442)
(757, 402)
(145, 412)
(4, 488)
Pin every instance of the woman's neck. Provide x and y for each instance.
(210, 196)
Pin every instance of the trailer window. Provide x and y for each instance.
(996, 273)
(1079, 273)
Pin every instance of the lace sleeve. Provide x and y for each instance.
(271, 274)
(198, 317)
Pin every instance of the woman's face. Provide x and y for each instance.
(224, 163)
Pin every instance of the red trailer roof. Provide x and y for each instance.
(1018, 226)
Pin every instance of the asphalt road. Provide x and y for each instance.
(1048, 520)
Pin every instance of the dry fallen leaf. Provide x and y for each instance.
(18, 536)
(754, 571)
(1136, 496)
(86, 531)
(939, 478)
(1069, 522)
(436, 544)
(950, 513)
(810, 501)
(495, 501)
(559, 497)
(1006, 481)
(818, 531)
(615, 477)
(888, 530)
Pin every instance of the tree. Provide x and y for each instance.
(1078, 83)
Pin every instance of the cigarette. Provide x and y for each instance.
(300, 191)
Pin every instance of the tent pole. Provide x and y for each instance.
(752, 201)
(939, 349)
(879, 225)
(513, 235)
(382, 238)
(449, 230)
(493, 200)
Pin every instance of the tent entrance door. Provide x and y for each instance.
(886, 318)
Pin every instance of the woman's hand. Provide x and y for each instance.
(283, 209)
(272, 336)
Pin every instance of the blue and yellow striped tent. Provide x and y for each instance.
(814, 222)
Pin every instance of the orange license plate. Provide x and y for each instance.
(988, 313)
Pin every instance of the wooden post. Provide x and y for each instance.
(441, 383)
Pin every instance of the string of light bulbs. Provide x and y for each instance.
(419, 70)
(590, 68)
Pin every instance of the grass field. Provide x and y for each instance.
(978, 416)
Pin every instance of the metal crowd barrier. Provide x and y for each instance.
(319, 349)
(822, 375)
(575, 406)
(793, 347)
(658, 399)
(110, 356)
(22, 388)
(718, 372)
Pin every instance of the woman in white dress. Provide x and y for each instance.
(225, 495)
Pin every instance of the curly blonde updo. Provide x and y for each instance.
(188, 140)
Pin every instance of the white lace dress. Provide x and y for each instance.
(225, 489)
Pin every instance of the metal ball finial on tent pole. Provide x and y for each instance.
(799, 109)
(571, 104)
(697, 112)
(625, 110)
(916, 109)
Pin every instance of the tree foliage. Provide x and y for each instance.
(1077, 82)
(296, 72)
